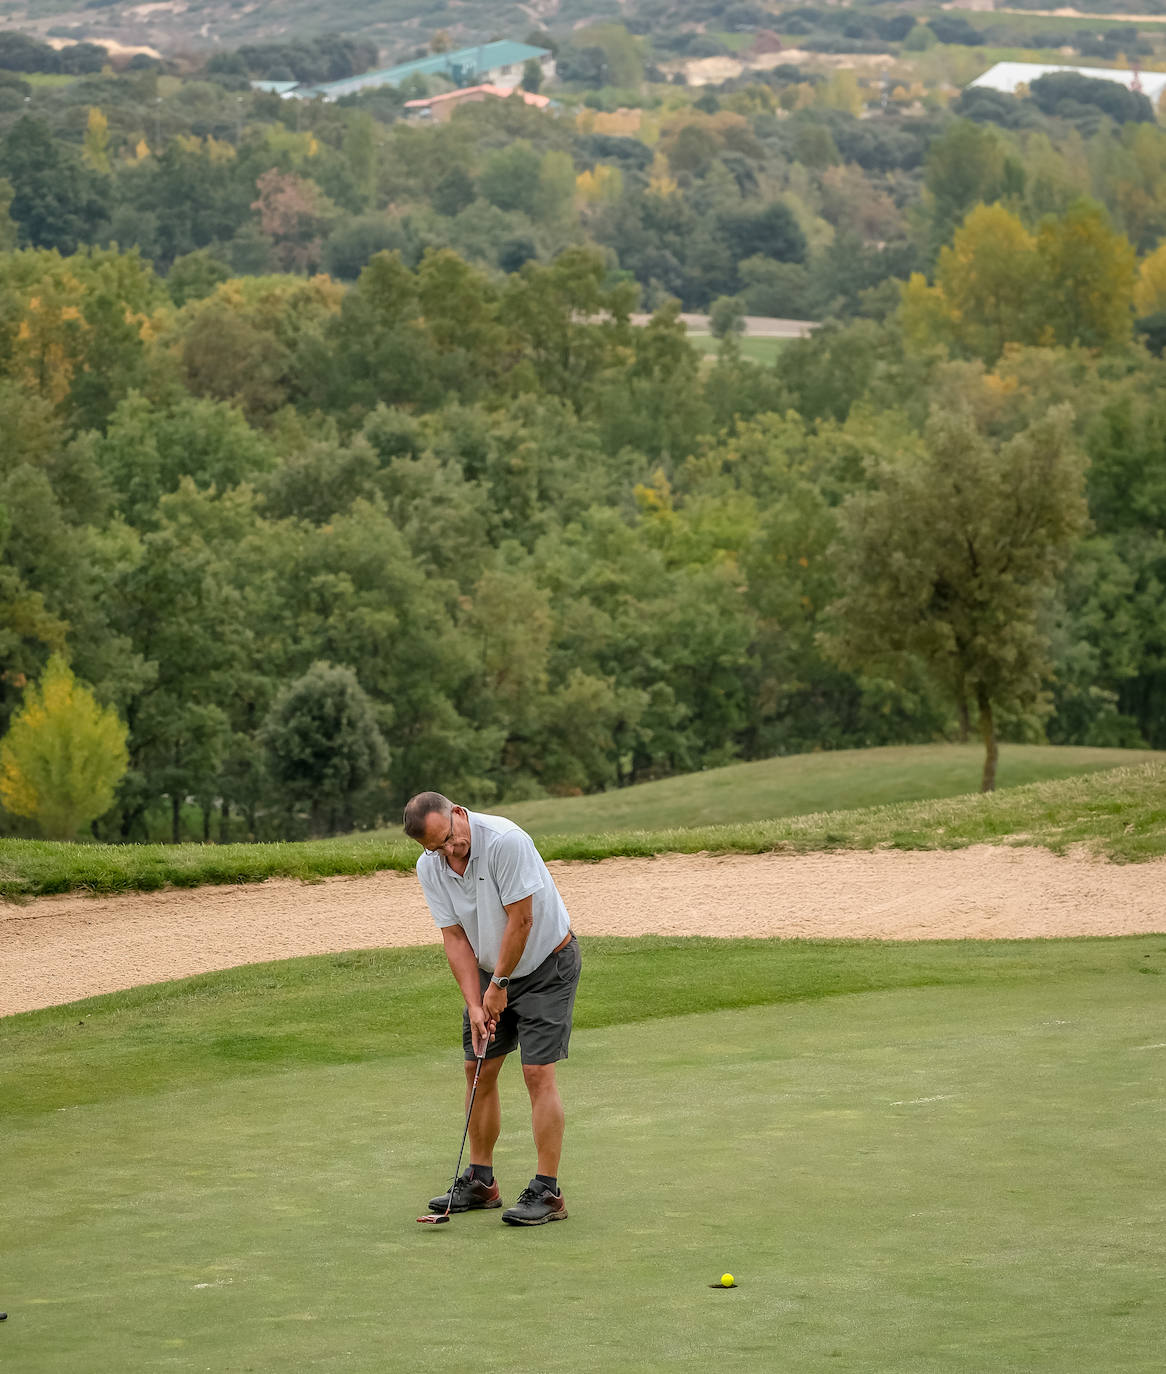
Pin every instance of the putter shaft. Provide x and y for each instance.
(432, 1218)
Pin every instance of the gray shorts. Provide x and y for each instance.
(538, 1011)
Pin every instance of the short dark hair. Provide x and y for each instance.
(418, 809)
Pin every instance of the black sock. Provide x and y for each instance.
(552, 1184)
(484, 1173)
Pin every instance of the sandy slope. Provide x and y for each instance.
(57, 949)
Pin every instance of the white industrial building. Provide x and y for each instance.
(1008, 76)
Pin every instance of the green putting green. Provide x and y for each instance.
(918, 1178)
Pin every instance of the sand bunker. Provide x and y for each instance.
(58, 949)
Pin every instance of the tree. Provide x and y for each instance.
(454, 193)
(953, 555)
(8, 232)
(771, 232)
(55, 203)
(64, 755)
(620, 62)
(96, 145)
(571, 326)
(989, 277)
(1088, 278)
(532, 75)
(194, 276)
(510, 177)
(322, 743)
(1064, 93)
(1150, 291)
(297, 215)
(965, 165)
(726, 316)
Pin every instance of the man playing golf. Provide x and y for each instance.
(510, 947)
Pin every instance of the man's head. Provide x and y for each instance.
(437, 825)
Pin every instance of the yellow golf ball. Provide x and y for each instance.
(727, 1280)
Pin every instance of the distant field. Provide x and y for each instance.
(755, 350)
(735, 42)
(802, 783)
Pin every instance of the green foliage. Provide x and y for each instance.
(921, 37)
(509, 177)
(560, 552)
(63, 756)
(56, 203)
(532, 75)
(952, 555)
(322, 742)
(194, 276)
(726, 316)
(1056, 91)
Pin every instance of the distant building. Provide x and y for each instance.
(1009, 76)
(274, 87)
(500, 63)
(440, 107)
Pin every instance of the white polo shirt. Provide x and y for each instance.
(504, 866)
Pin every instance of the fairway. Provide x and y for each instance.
(915, 1178)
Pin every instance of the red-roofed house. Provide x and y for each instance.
(440, 107)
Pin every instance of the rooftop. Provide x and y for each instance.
(458, 66)
(1006, 76)
(539, 101)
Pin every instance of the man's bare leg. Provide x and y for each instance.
(546, 1114)
(486, 1121)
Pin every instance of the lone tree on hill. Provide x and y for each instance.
(63, 757)
(953, 555)
(322, 743)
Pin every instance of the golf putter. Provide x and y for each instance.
(432, 1218)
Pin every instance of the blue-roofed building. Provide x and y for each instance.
(274, 87)
(499, 63)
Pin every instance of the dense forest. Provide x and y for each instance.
(312, 412)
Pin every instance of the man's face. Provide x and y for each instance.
(448, 835)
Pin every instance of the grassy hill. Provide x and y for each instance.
(199, 25)
(911, 798)
(803, 783)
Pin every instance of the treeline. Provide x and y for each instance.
(546, 551)
(801, 196)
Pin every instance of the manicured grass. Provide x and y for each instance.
(795, 804)
(365, 1006)
(948, 1152)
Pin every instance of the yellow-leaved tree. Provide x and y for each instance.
(95, 148)
(63, 756)
(1150, 291)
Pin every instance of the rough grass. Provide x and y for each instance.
(1120, 814)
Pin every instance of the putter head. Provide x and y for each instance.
(432, 1218)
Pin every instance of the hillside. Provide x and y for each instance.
(175, 26)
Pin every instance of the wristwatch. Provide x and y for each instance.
(500, 982)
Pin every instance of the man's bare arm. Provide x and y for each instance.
(519, 919)
(464, 966)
